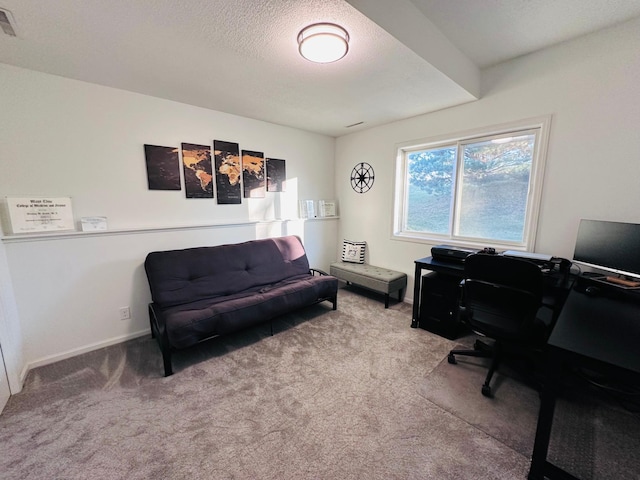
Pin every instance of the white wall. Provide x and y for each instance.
(589, 86)
(69, 290)
(66, 138)
(62, 137)
(10, 331)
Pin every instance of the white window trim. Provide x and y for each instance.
(542, 123)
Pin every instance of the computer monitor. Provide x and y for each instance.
(609, 246)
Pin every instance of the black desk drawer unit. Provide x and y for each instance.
(438, 305)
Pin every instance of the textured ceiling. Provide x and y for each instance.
(493, 31)
(406, 57)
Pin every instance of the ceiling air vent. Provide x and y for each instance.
(6, 23)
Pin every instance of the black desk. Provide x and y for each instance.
(438, 266)
(601, 333)
(557, 284)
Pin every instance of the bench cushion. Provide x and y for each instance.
(369, 276)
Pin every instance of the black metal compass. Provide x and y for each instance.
(362, 177)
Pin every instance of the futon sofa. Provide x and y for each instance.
(200, 293)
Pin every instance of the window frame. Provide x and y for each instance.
(540, 126)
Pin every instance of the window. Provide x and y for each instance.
(477, 189)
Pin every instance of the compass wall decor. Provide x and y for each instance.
(362, 177)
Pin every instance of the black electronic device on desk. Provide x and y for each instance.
(557, 268)
(451, 254)
(546, 262)
(609, 247)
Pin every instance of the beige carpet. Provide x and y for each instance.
(592, 438)
(331, 395)
(510, 416)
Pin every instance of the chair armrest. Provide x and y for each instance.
(313, 271)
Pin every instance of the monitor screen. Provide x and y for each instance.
(609, 246)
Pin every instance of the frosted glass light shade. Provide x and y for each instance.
(323, 42)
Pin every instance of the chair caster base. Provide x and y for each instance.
(451, 359)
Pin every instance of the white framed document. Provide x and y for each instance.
(327, 208)
(307, 209)
(40, 214)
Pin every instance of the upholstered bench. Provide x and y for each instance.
(373, 278)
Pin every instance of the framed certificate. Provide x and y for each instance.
(327, 208)
(40, 214)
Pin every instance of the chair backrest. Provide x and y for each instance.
(502, 296)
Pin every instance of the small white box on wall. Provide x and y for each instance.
(92, 224)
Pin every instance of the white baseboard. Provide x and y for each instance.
(79, 351)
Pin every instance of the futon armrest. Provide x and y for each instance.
(313, 271)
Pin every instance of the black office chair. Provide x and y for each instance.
(501, 299)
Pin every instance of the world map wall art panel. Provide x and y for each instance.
(163, 167)
(237, 173)
(276, 175)
(227, 161)
(253, 178)
(196, 165)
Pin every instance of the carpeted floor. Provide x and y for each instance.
(510, 416)
(347, 394)
(592, 438)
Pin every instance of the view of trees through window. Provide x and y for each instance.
(474, 189)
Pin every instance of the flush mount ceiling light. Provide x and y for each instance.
(323, 42)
